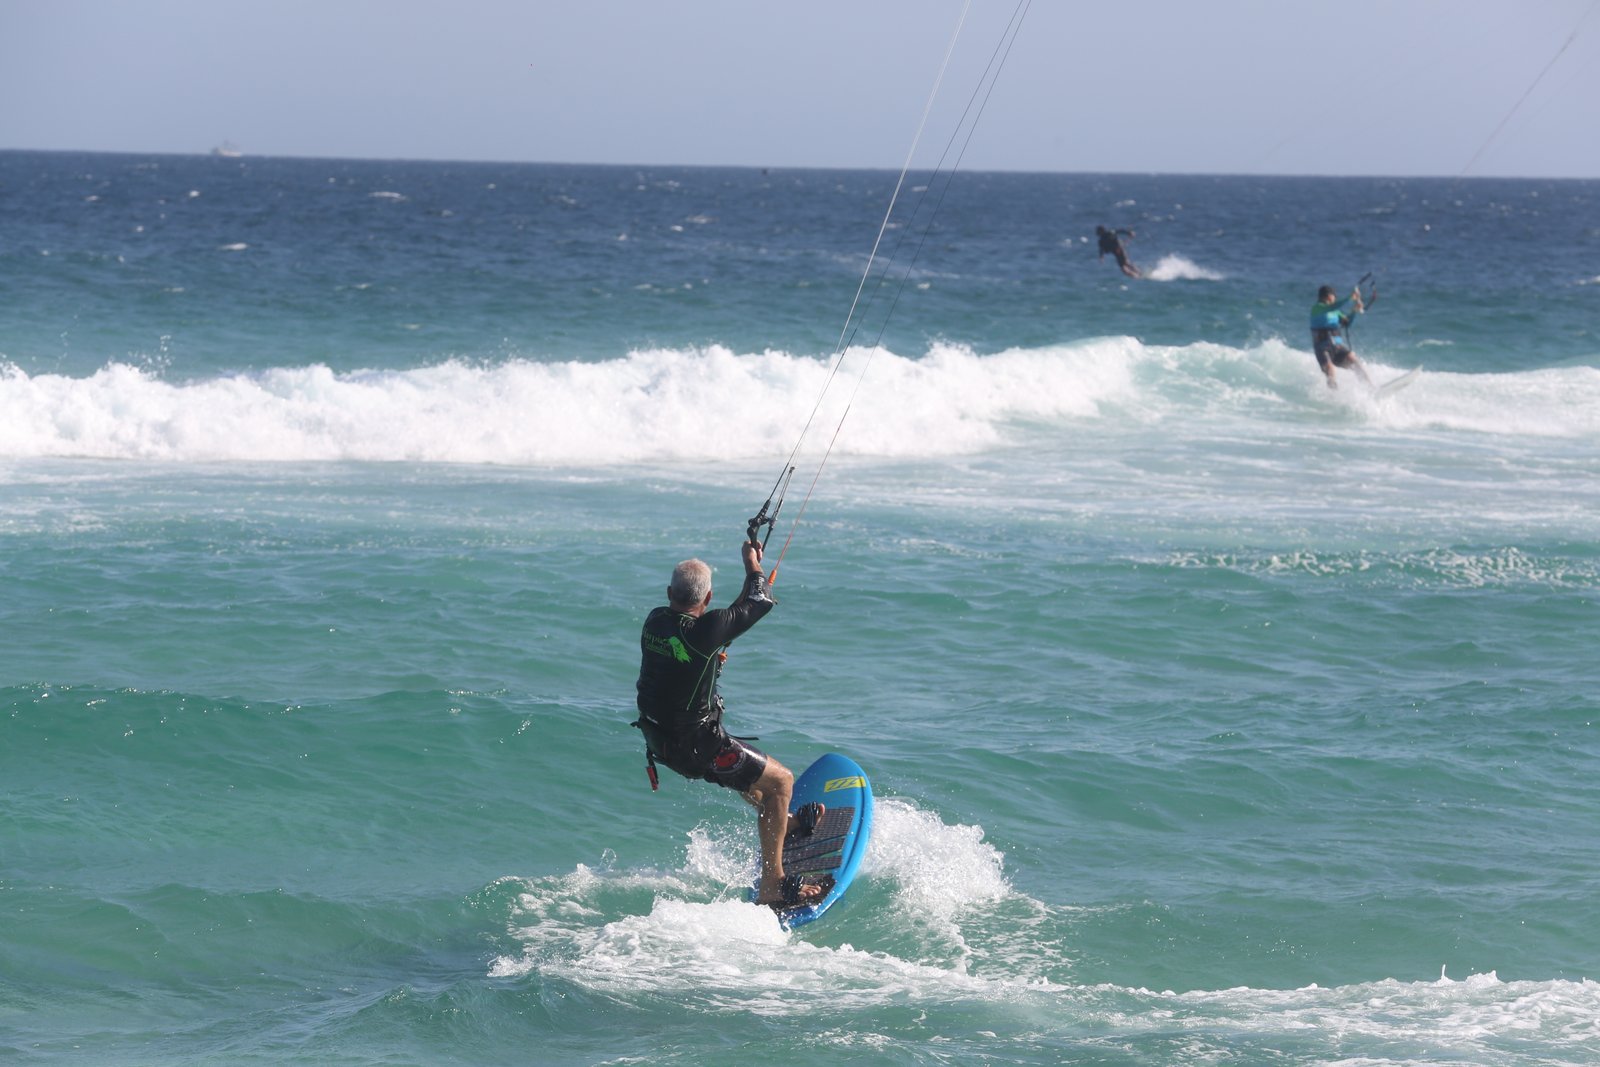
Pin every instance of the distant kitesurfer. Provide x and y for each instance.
(1330, 318)
(680, 711)
(1111, 242)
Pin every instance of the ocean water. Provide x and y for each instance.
(1215, 716)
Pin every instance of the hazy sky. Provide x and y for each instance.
(1393, 87)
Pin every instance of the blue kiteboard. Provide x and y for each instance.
(836, 846)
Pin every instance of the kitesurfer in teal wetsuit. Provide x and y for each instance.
(680, 712)
(1330, 320)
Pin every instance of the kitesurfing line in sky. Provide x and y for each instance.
(853, 320)
(1573, 36)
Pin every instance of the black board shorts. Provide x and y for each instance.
(709, 753)
(1331, 350)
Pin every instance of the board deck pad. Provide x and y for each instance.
(820, 851)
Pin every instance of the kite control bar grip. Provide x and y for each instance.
(753, 531)
(761, 518)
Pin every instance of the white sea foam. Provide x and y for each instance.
(667, 406)
(1179, 268)
(939, 869)
(662, 406)
(1479, 1019)
(697, 937)
(683, 939)
(1439, 567)
(1540, 403)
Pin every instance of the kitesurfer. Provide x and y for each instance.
(680, 711)
(1111, 243)
(1330, 320)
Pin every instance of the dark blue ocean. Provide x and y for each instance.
(1215, 716)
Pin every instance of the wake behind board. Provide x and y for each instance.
(839, 842)
(1394, 385)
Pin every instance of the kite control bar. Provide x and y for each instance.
(1365, 278)
(762, 518)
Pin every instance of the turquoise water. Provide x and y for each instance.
(1214, 716)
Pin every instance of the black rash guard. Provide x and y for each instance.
(680, 664)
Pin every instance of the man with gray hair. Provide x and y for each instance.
(680, 711)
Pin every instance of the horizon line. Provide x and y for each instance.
(237, 155)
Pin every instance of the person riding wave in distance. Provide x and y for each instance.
(1330, 320)
(682, 649)
(1111, 243)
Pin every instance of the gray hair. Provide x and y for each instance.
(691, 581)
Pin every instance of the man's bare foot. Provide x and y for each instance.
(794, 891)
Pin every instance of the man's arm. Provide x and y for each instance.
(754, 594)
(721, 625)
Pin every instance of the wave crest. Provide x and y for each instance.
(711, 404)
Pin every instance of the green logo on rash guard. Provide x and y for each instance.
(670, 646)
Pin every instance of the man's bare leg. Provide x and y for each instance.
(770, 796)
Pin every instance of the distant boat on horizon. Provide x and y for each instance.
(227, 150)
